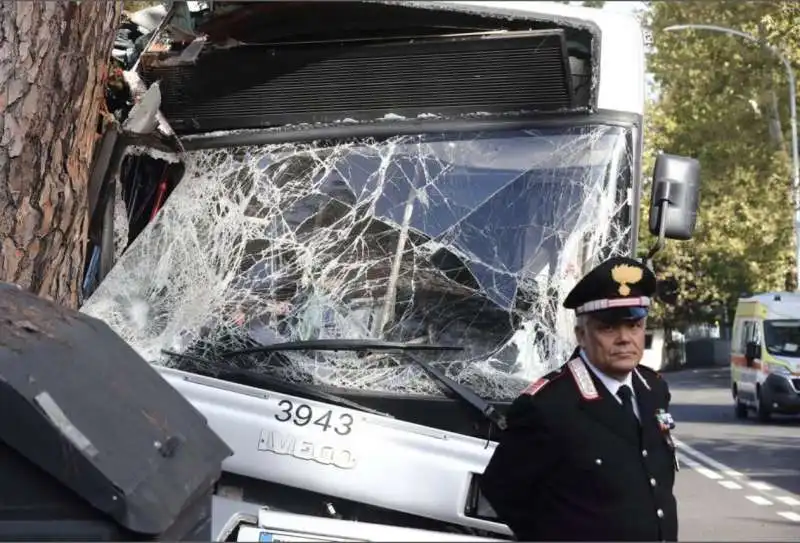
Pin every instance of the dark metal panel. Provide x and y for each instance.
(84, 407)
(260, 86)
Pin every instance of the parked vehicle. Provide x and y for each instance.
(765, 355)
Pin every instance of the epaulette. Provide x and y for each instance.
(641, 378)
(659, 384)
(648, 370)
(649, 376)
(583, 379)
(539, 384)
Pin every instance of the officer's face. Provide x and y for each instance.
(616, 348)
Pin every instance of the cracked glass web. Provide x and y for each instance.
(470, 240)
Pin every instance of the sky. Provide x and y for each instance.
(620, 7)
(623, 7)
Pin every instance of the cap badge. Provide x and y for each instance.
(625, 275)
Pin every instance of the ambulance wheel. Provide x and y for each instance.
(740, 409)
(763, 411)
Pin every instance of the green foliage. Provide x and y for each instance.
(784, 28)
(585, 3)
(715, 104)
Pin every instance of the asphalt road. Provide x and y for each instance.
(739, 479)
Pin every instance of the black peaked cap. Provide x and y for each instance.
(616, 287)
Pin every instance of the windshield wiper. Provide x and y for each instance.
(254, 378)
(341, 345)
(462, 392)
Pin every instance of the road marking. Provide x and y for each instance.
(694, 463)
(699, 468)
(788, 500)
(682, 458)
(688, 461)
(708, 460)
(710, 473)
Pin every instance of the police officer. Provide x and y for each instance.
(587, 455)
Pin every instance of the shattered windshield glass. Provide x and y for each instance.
(468, 239)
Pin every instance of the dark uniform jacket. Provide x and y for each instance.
(571, 467)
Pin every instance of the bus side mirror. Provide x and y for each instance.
(675, 197)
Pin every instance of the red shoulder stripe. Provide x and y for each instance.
(536, 386)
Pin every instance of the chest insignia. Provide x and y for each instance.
(665, 421)
(665, 424)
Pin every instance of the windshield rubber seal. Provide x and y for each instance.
(387, 129)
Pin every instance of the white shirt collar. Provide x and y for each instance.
(610, 383)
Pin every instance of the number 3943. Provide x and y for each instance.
(303, 415)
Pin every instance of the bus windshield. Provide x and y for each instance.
(466, 239)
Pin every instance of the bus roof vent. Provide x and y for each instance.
(262, 86)
(777, 298)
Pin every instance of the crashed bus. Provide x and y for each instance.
(342, 231)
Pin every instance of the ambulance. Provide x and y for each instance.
(765, 355)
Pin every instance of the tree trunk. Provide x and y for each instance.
(53, 60)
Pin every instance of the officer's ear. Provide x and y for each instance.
(580, 329)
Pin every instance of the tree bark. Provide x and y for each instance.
(53, 61)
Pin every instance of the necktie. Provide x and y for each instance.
(626, 395)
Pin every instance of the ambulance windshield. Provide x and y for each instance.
(782, 337)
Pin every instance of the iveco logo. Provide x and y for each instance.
(285, 444)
